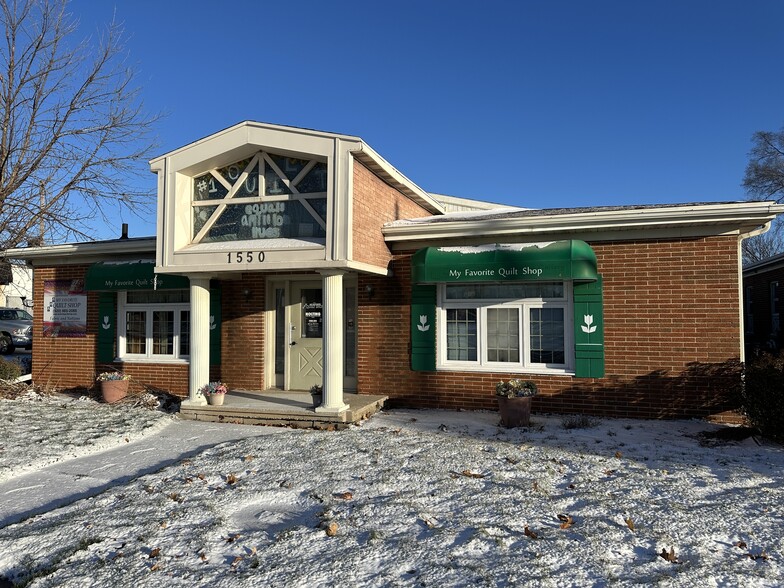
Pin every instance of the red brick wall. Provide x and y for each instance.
(376, 203)
(672, 338)
(242, 337)
(63, 362)
(67, 363)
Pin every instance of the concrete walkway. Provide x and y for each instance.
(66, 482)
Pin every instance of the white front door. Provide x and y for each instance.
(305, 347)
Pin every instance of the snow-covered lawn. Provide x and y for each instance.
(41, 430)
(419, 498)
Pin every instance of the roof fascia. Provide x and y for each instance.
(82, 252)
(377, 164)
(741, 217)
(247, 124)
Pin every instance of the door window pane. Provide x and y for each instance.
(547, 335)
(280, 330)
(503, 335)
(350, 341)
(312, 309)
(461, 334)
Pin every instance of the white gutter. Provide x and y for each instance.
(743, 215)
(119, 246)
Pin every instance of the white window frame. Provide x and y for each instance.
(149, 357)
(524, 305)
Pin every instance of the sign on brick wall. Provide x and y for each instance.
(65, 308)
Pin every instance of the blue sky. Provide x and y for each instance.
(533, 103)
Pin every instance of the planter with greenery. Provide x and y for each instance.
(114, 386)
(514, 401)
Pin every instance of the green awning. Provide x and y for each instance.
(558, 260)
(131, 275)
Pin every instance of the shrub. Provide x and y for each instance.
(9, 370)
(763, 395)
(578, 421)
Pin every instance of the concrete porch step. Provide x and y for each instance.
(275, 407)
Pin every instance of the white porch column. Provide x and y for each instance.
(333, 343)
(200, 340)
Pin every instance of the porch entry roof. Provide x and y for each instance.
(557, 260)
(131, 275)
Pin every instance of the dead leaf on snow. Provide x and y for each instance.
(629, 523)
(755, 556)
(429, 523)
(740, 544)
(470, 474)
(231, 479)
(669, 556)
(247, 458)
(609, 472)
(233, 538)
(155, 567)
(236, 561)
(618, 454)
(529, 533)
(512, 460)
(344, 495)
(155, 552)
(332, 529)
(566, 521)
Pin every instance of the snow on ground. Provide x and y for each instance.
(41, 430)
(425, 498)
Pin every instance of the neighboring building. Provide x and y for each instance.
(288, 257)
(17, 290)
(762, 305)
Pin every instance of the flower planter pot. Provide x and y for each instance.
(316, 398)
(515, 412)
(215, 399)
(114, 390)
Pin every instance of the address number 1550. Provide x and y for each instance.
(245, 257)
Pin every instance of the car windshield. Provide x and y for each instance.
(15, 315)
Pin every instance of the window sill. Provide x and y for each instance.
(506, 370)
(149, 360)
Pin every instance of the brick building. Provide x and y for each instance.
(287, 257)
(762, 305)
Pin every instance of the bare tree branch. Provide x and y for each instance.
(73, 132)
(764, 180)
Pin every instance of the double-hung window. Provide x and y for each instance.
(506, 327)
(154, 325)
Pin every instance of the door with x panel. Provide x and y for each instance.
(306, 335)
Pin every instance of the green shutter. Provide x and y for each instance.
(588, 330)
(107, 317)
(215, 325)
(423, 328)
